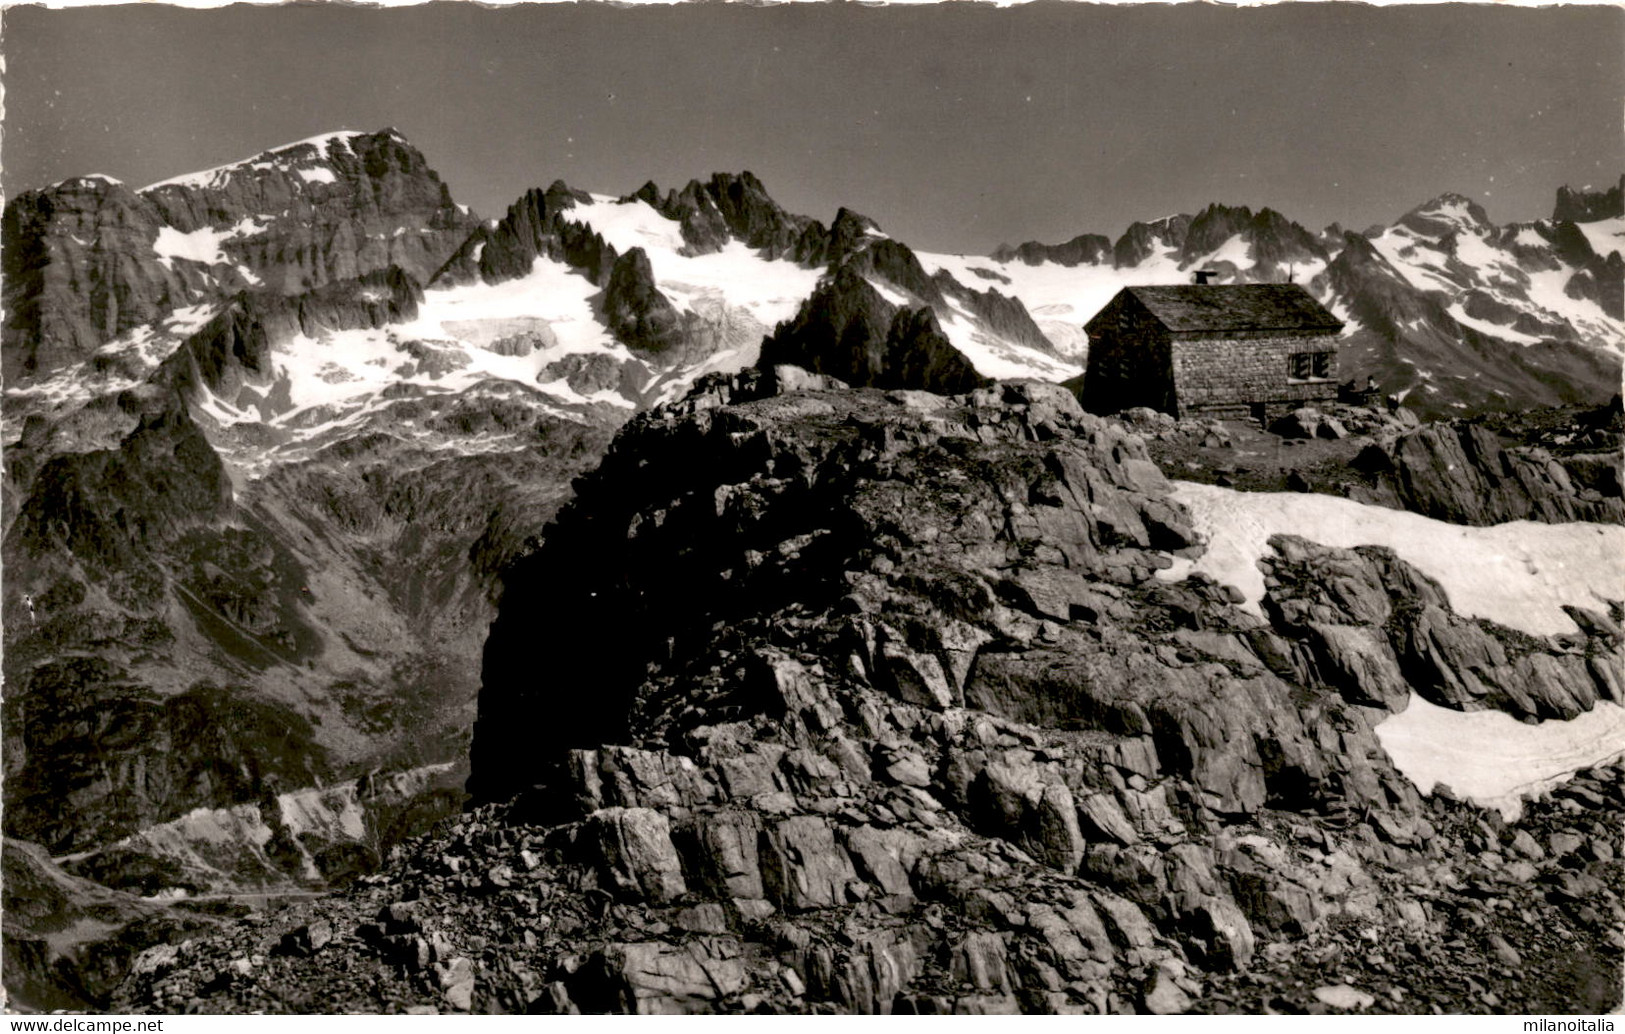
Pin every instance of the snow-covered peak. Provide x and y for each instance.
(285, 156)
(1449, 213)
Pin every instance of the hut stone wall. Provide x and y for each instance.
(1251, 373)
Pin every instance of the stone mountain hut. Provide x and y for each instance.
(1232, 351)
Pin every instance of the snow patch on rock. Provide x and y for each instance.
(202, 245)
(1518, 574)
(217, 176)
(1493, 759)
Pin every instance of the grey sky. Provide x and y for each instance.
(955, 126)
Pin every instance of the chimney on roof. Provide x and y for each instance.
(1202, 275)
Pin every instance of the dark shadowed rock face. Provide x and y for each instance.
(847, 330)
(161, 480)
(88, 259)
(80, 269)
(737, 207)
(1602, 281)
(1581, 206)
(634, 309)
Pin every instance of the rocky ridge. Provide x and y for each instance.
(911, 724)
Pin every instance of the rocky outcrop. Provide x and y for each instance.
(851, 330)
(162, 480)
(1585, 206)
(1004, 315)
(737, 207)
(635, 311)
(847, 330)
(537, 225)
(234, 350)
(857, 245)
(1142, 240)
(1274, 243)
(1460, 473)
(589, 374)
(900, 718)
(1602, 280)
(1446, 215)
(1379, 630)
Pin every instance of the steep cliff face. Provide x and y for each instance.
(1585, 206)
(636, 312)
(80, 269)
(849, 701)
(90, 259)
(335, 207)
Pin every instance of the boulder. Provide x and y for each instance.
(635, 853)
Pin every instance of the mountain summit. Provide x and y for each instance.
(88, 260)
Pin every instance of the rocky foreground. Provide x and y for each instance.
(843, 701)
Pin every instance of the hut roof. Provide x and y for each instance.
(1188, 308)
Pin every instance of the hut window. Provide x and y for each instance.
(1309, 366)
